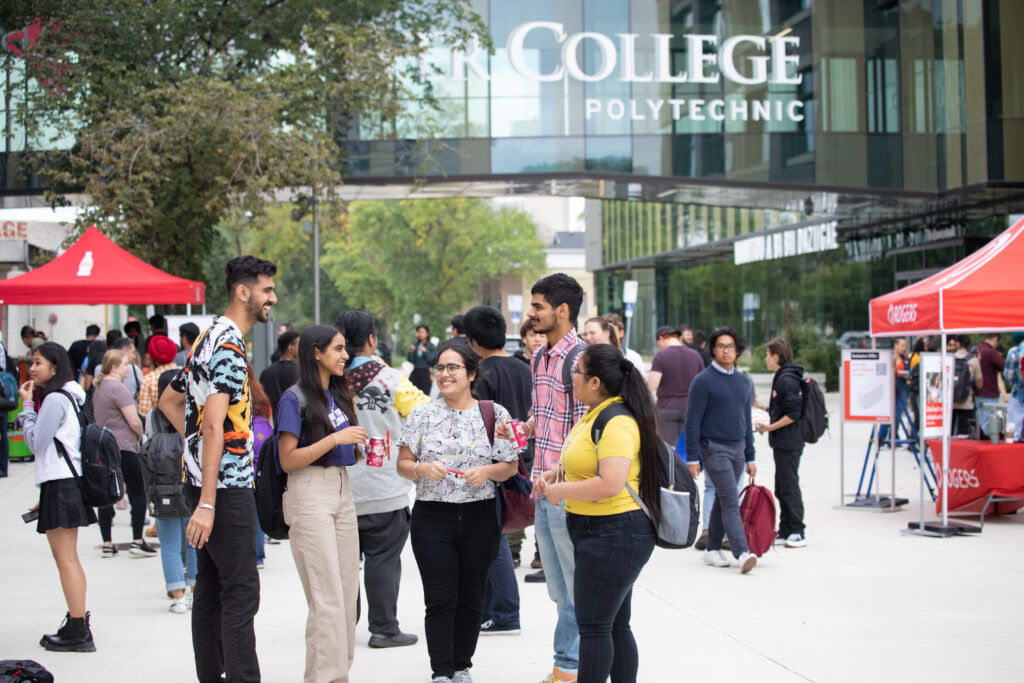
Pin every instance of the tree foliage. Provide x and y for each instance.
(426, 256)
(183, 112)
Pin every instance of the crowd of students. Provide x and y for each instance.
(356, 438)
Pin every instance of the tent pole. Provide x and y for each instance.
(947, 416)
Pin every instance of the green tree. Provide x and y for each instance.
(173, 115)
(426, 256)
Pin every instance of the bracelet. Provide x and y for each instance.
(207, 506)
(414, 474)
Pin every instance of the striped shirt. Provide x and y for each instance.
(551, 418)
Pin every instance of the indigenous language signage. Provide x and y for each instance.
(868, 378)
(796, 242)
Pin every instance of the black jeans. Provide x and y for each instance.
(610, 551)
(454, 545)
(787, 490)
(670, 425)
(227, 591)
(135, 487)
(382, 537)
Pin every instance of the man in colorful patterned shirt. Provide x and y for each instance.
(209, 403)
(554, 309)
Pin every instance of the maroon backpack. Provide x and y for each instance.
(757, 509)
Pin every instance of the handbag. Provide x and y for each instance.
(515, 506)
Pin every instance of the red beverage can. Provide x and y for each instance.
(519, 433)
(375, 452)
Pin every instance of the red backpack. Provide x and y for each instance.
(757, 509)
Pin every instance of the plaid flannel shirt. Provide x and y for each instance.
(148, 388)
(550, 414)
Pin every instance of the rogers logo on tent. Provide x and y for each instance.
(85, 265)
(902, 313)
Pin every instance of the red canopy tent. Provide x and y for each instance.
(94, 270)
(979, 294)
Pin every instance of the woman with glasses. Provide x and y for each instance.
(316, 441)
(447, 452)
(611, 535)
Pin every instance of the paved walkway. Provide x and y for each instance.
(861, 602)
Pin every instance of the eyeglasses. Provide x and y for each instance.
(725, 347)
(451, 368)
(577, 371)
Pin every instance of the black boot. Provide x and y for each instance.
(74, 635)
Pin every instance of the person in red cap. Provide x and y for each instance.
(162, 350)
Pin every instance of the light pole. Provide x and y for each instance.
(311, 205)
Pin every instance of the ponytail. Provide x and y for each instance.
(619, 377)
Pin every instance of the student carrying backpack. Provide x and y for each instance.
(163, 470)
(272, 482)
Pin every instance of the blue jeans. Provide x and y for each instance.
(501, 597)
(985, 409)
(610, 551)
(261, 544)
(724, 463)
(556, 554)
(176, 555)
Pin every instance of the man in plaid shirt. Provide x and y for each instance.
(1014, 378)
(553, 310)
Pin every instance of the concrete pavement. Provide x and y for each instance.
(859, 602)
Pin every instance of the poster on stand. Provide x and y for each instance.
(931, 395)
(868, 377)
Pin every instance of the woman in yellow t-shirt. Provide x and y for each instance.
(612, 537)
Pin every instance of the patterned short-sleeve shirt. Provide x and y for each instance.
(217, 365)
(458, 439)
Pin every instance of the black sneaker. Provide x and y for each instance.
(702, 542)
(536, 577)
(535, 562)
(109, 551)
(515, 561)
(142, 549)
(489, 628)
(380, 640)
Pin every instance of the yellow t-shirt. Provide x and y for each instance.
(621, 438)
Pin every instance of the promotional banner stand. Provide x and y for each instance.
(919, 528)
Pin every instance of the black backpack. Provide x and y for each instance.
(673, 477)
(24, 671)
(961, 381)
(814, 421)
(101, 481)
(271, 485)
(570, 358)
(162, 470)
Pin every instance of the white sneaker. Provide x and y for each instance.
(462, 677)
(780, 540)
(716, 558)
(746, 562)
(179, 605)
(796, 541)
(188, 596)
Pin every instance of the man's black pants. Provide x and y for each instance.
(227, 592)
(787, 491)
(382, 537)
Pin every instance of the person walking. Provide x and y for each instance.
(208, 403)
(446, 448)
(383, 400)
(317, 434)
(421, 355)
(672, 372)
(784, 436)
(554, 307)
(114, 409)
(506, 381)
(612, 536)
(177, 557)
(718, 428)
(61, 508)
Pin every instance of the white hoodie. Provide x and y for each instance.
(56, 419)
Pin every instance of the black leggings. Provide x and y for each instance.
(136, 489)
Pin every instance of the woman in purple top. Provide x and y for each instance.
(316, 441)
(262, 429)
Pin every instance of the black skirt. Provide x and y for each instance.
(61, 506)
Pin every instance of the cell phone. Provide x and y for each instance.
(30, 516)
